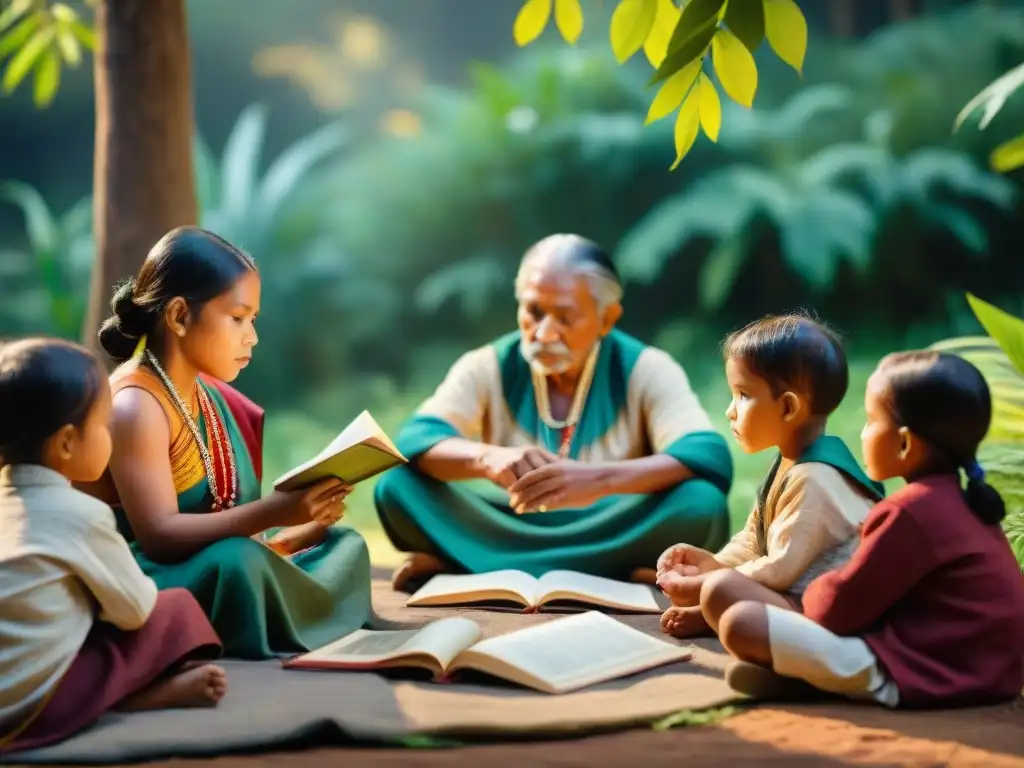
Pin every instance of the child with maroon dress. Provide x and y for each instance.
(929, 611)
(82, 629)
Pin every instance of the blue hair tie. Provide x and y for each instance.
(974, 471)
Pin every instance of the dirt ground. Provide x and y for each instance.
(805, 735)
(821, 734)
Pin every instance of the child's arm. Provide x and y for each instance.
(809, 522)
(105, 564)
(892, 557)
(742, 547)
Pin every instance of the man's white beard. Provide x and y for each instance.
(563, 361)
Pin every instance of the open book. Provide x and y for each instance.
(554, 657)
(532, 593)
(362, 450)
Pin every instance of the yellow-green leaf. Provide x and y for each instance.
(569, 19)
(735, 67)
(70, 48)
(686, 127)
(62, 12)
(47, 78)
(672, 92)
(665, 20)
(13, 12)
(1007, 330)
(695, 16)
(786, 30)
(692, 50)
(1008, 156)
(16, 38)
(530, 21)
(632, 22)
(745, 19)
(23, 61)
(84, 34)
(710, 107)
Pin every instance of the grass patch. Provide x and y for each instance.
(293, 436)
(691, 717)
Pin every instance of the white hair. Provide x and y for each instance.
(574, 254)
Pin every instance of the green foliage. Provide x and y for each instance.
(1000, 358)
(678, 36)
(691, 717)
(1009, 155)
(42, 283)
(263, 212)
(824, 209)
(1004, 328)
(41, 38)
(555, 142)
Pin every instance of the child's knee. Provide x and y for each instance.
(718, 592)
(743, 630)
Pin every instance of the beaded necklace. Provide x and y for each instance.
(221, 472)
(579, 399)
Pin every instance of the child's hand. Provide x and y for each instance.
(681, 590)
(686, 560)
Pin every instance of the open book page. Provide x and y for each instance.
(434, 646)
(360, 451)
(360, 429)
(456, 589)
(572, 585)
(570, 653)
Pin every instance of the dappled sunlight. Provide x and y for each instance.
(868, 735)
(387, 163)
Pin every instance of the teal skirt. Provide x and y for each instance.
(263, 605)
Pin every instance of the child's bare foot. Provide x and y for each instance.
(684, 622)
(196, 686)
(644, 576)
(417, 568)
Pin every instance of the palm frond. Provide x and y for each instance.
(241, 159)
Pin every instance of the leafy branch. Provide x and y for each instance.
(39, 37)
(1009, 155)
(678, 37)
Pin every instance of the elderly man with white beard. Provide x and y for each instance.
(597, 451)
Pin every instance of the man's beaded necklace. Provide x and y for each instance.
(579, 401)
(223, 483)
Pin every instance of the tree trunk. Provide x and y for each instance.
(902, 10)
(843, 20)
(143, 183)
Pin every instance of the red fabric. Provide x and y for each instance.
(114, 664)
(936, 594)
(250, 419)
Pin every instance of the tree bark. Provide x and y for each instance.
(902, 10)
(143, 181)
(843, 19)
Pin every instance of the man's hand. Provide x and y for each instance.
(505, 466)
(686, 560)
(563, 483)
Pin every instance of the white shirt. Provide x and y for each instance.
(62, 565)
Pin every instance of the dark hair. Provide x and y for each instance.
(192, 263)
(794, 352)
(45, 384)
(944, 400)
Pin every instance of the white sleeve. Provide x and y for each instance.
(105, 564)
